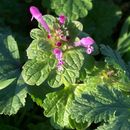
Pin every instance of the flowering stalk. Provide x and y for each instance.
(38, 16)
(87, 44)
(58, 54)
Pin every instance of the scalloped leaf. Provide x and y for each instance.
(73, 9)
(37, 33)
(101, 104)
(39, 50)
(73, 61)
(41, 61)
(35, 72)
(12, 88)
(57, 106)
(40, 33)
(9, 60)
(74, 28)
(12, 98)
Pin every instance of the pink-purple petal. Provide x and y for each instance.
(88, 41)
(62, 19)
(58, 53)
(38, 16)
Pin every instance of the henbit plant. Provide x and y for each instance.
(62, 76)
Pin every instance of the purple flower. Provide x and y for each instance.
(87, 43)
(38, 16)
(62, 19)
(59, 65)
(58, 54)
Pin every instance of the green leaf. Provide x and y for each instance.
(9, 64)
(41, 61)
(54, 79)
(74, 29)
(13, 48)
(12, 88)
(101, 104)
(39, 49)
(119, 123)
(37, 34)
(88, 65)
(12, 98)
(38, 94)
(71, 8)
(100, 23)
(73, 61)
(4, 83)
(113, 55)
(57, 106)
(41, 33)
(35, 72)
(123, 41)
(123, 72)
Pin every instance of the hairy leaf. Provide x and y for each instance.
(35, 72)
(119, 123)
(73, 61)
(99, 105)
(58, 104)
(37, 34)
(39, 49)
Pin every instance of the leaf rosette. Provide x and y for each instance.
(42, 63)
